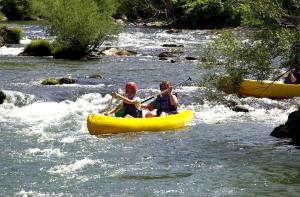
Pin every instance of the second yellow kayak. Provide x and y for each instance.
(267, 89)
(100, 124)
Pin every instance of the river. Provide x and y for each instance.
(46, 150)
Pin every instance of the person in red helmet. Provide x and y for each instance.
(130, 104)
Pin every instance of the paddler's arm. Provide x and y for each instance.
(148, 106)
(116, 109)
(173, 98)
(126, 100)
(293, 78)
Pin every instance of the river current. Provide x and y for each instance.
(46, 150)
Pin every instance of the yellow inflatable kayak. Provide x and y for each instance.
(277, 90)
(100, 124)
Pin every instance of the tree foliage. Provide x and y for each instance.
(184, 13)
(207, 13)
(19, 9)
(79, 25)
(146, 9)
(255, 52)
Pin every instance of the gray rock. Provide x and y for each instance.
(2, 97)
(291, 129)
(172, 45)
(66, 80)
(236, 106)
(50, 81)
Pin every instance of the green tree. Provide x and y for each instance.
(271, 41)
(79, 26)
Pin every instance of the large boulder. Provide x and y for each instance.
(2, 97)
(291, 129)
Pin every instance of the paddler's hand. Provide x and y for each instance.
(166, 91)
(170, 89)
(114, 94)
(106, 114)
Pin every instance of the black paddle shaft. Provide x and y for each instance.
(265, 89)
(152, 97)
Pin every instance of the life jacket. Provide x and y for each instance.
(131, 110)
(163, 104)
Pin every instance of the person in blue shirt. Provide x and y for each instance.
(165, 103)
(294, 75)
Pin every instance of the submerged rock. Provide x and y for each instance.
(172, 45)
(236, 106)
(166, 54)
(95, 76)
(66, 80)
(50, 81)
(191, 58)
(2, 97)
(291, 129)
(239, 108)
(117, 52)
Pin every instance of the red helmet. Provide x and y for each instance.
(131, 86)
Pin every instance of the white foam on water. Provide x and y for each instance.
(10, 51)
(156, 39)
(213, 114)
(44, 152)
(42, 117)
(70, 168)
(25, 41)
(68, 140)
(24, 193)
(169, 192)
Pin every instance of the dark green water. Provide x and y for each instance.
(45, 148)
